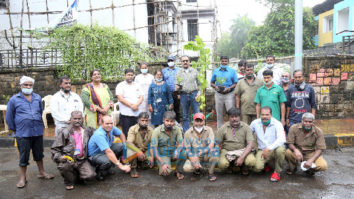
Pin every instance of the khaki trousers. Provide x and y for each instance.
(224, 163)
(277, 155)
(321, 164)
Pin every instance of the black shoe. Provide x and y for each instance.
(310, 172)
(100, 176)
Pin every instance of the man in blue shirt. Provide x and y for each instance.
(223, 80)
(24, 117)
(103, 152)
(169, 75)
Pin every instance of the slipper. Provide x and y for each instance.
(134, 174)
(21, 184)
(211, 177)
(69, 187)
(179, 176)
(46, 176)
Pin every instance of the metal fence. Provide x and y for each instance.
(28, 58)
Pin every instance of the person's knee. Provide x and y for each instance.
(117, 148)
(322, 165)
(288, 154)
(250, 161)
(259, 166)
(223, 164)
(65, 167)
(280, 151)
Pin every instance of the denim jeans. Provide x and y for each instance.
(188, 100)
(101, 161)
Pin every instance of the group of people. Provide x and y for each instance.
(263, 117)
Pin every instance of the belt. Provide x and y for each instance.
(227, 91)
(187, 93)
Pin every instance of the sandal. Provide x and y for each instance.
(69, 187)
(211, 177)
(179, 176)
(46, 176)
(134, 173)
(21, 184)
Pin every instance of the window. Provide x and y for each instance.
(192, 29)
(343, 20)
(191, 1)
(328, 24)
(2, 4)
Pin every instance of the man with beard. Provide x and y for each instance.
(167, 146)
(130, 97)
(69, 151)
(271, 95)
(246, 90)
(139, 136)
(199, 145)
(236, 141)
(63, 103)
(301, 99)
(306, 143)
(270, 140)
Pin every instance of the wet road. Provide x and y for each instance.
(337, 182)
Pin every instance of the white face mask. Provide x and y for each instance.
(199, 130)
(170, 64)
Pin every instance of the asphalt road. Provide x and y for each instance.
(337, 182)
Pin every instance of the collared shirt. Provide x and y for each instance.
(247, 93)
(273, 137)
(136, 138)
(300, 102)
(306, 142)
(99, 141)
(169, 75)
(277, 72)
(62, 105)
(195, 142)
(189, 79)
(25, 117)
(234, 139)
(166, 143)
(228, 75)
(271, 97)
(131, 93)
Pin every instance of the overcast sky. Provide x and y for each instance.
(230, 9)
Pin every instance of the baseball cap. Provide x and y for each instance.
(171, 57)
(199, 116)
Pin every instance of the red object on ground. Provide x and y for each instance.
(275, 177)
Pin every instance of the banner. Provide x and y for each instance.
(68, 16)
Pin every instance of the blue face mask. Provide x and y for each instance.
(158, 80)
(269, 66)
(143, 71)
(27, 91)
(223, 67)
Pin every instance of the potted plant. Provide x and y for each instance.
(220, 83)
(179, 81)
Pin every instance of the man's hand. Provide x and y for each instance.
(288, 122)
(171, 107)
(217, 88)
(308, 163)
(135, 107)
(283, 122)
(226, 90)
(265, 153)
(151, 162)
(164, 169)
(298, 155)
(125, 168)
(141, 156)
(239, 161)
(63, 159)
(195, 162)
(150, 108)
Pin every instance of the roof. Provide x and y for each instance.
(324, 7)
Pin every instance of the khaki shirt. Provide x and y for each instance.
(243, 135)
(135, 137)
(247, 93)
(164, 142)
(309, 143)
(194, 143)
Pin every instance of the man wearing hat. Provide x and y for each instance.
(24, 117)
(199, 145)
(169, 75)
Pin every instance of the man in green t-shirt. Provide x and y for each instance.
(271, 95)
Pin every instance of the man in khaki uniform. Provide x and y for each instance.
(199, 145)
(167, 146)
(306, 143)
(246, 90)
(236, 141)
(139, 136)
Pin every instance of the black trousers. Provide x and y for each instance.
(126, 122)
(176, 104)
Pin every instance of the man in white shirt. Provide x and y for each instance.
(144, 80)
(270, 140)
(269, 65)
(130, 98)
(63, 103)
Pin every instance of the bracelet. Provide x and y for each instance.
(117, 164)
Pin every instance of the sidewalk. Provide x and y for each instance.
(338, 132)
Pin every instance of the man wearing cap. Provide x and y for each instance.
(236, 142)
(306, 143)
(223, 80)
(169, 75)
(199, 145)
(24, 117)
(63, 103)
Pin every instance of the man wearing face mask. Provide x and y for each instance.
(271, 95)
(270, 140)
(301, 99)
(71, 142)
(24, 118)
(144, 80)
(236, 142)
(63, 103)
(139, 136)
(277, 71)
(169, 76)
(167, 146)
(246, 90)
(223, 80)
(306, 143)
(199, 145)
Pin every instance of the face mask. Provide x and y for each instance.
(222, 66)
(168, 128)
(300, 86)
(266, 123)
(27, 91)
(269, 66)
(249, 76)
(285, 80)
(269, 83)
(170, 64)
(143, 71)
(158, 80)
(200, 129)
(306, 129)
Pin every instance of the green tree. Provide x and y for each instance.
(231, 44)
(276, 36)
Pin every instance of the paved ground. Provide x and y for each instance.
(337, 182)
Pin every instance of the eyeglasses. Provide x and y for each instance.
(185, 61)
(28, 85)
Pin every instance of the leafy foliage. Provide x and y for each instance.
(276, 36)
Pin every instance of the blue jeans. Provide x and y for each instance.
(188, 100)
